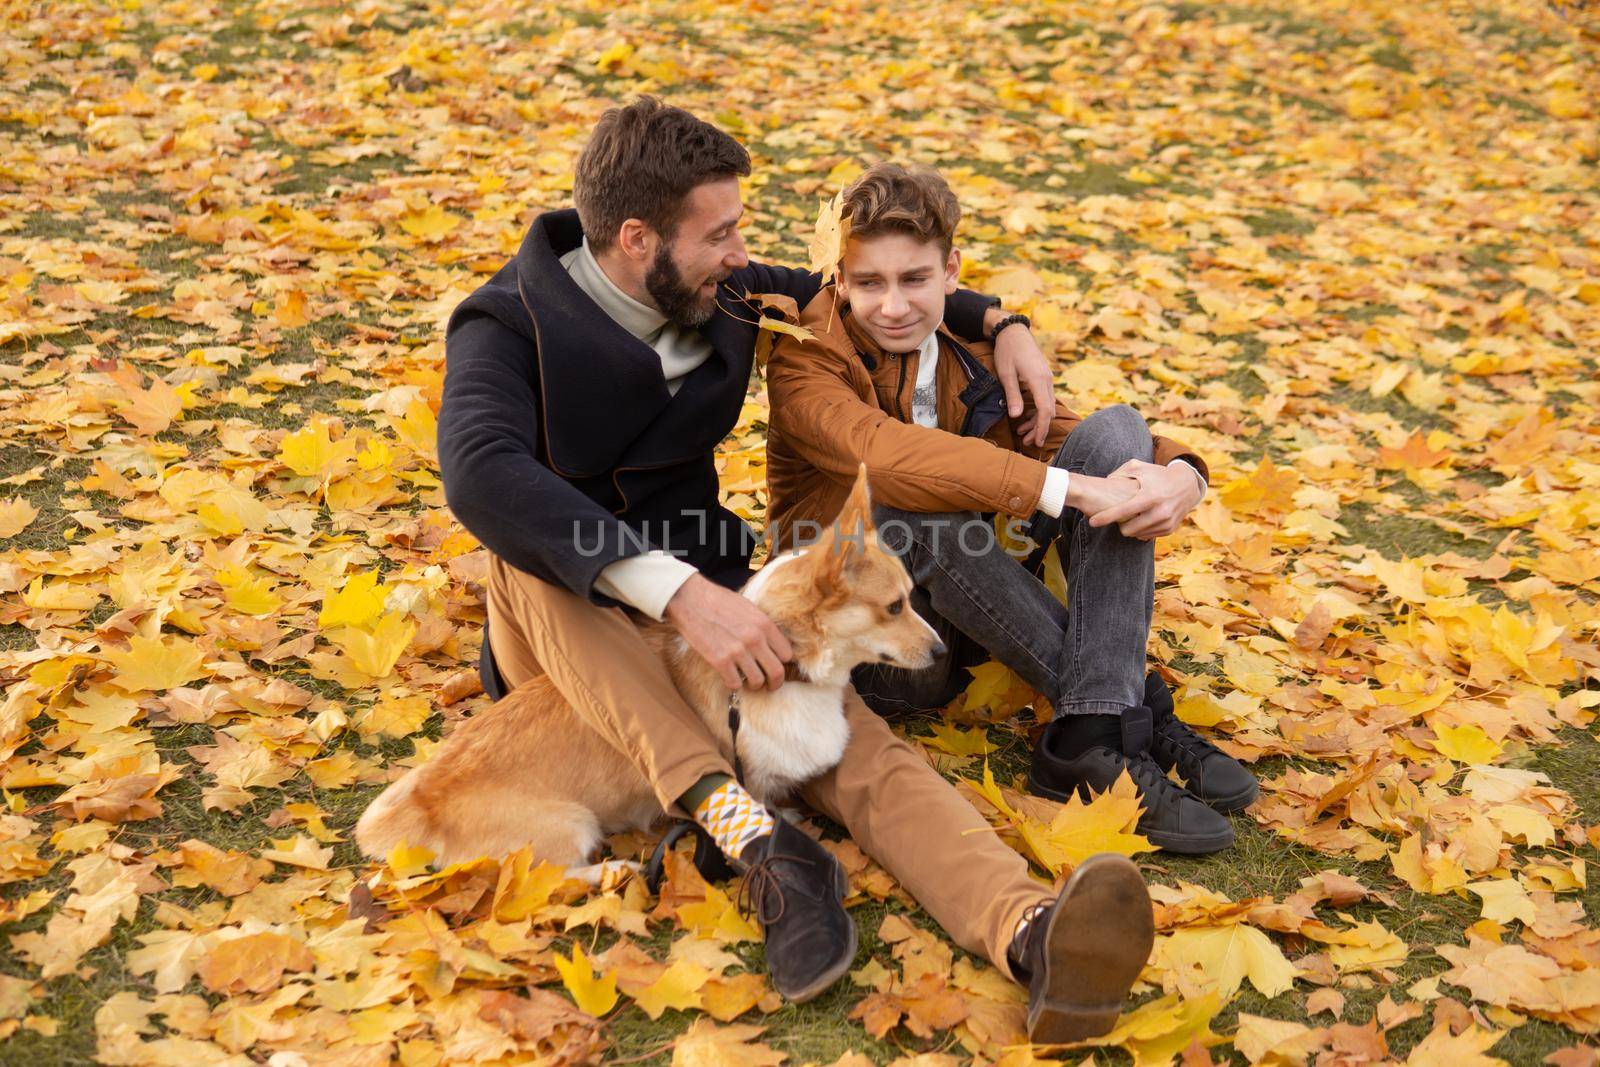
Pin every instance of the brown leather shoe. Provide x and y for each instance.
(796, 889)
(1081, 958)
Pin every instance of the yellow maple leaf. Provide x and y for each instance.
(717, 918)
(524, 887)
(59, 596)
(827, 243)
(1402, 578)
(15, 515)
(1426, 868)
(254, 963)
(799, 333)
(1105, 824)
(289, 310)
(218, 520)
(1078, 830)
(248, 594)
(311, 452)
(430, 224)
(150, 665)
(991, 792)
(150, 411)
(1505, 899)
(417, 428)
(406, 860)
(678, 988)
(1220, 958)
(998, 688)
(1415, 454)
(1267, 488)
(1466, 744)
(101, 291)
(1274, 1041)
(614, 58)
(311, 817)
(1157, 1031)
(1055, 578)
(56, 949)
(394, 716)
(375, 455)
(947, 737)
(374, 652)
(1517, 638)
(705, 1044)
(333, 772)
(298, 851)
(172, 955)
(1363, 947)
(1441, 1048)
(594, 993)
(361, 491)
(358, 601)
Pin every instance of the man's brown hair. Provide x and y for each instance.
(642, 161)
(915, 200)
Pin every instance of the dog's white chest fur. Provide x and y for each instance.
(790, 736)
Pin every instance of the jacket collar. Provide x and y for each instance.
(604, 398)
(872, 353)
(982, 398)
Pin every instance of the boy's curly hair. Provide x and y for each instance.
(890, 198)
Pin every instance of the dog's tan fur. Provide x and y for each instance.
(528, 771)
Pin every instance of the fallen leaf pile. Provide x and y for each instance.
(1346, 251)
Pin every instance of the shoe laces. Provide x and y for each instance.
(1156, 789)
(1034, 920)
(1172, 734)
(760, 878)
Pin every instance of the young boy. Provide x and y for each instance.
(882, 382)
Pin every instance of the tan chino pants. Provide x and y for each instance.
(896, 807)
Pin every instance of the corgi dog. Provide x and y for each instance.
(527, 771)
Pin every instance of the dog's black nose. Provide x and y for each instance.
(937, 650)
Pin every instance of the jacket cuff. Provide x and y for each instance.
(1167, 450)
(1023, 485)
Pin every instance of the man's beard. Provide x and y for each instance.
(680, 303)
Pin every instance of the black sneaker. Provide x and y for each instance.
(1081, 954)
(1173, 819)
(796, 889)
(1208, 772)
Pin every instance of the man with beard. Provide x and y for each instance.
(588, 385)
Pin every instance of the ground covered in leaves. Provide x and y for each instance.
(1345, 250)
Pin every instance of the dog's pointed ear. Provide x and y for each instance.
(847, 538)
(855, 518)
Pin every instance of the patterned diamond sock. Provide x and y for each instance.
(733, 818)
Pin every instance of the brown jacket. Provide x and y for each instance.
(838, 400)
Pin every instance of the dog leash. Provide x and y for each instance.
(708, 858)
(733, 728)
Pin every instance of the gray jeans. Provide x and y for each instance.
(1087, 656)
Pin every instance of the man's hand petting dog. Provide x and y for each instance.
(730, 633)
(1163, 497)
